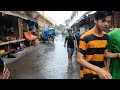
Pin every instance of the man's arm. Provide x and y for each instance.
(81, 60)
(65, 41)
(106, 62)
(75, 41)
(103, 74)
(111, 55)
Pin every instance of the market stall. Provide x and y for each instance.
(9, 34)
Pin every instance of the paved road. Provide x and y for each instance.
(46, 61)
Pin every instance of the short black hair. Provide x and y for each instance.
(99, 15)
(69, 30)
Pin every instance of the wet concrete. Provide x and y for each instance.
(46, 61)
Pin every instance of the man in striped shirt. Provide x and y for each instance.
(92, 49)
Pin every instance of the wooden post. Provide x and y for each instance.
(27, 28)
(118, 20)
(20, 28)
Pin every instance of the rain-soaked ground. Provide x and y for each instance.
(46, 61)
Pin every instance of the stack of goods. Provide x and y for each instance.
(7, 34)
(36, 42)
(2, 51)
(8, 38)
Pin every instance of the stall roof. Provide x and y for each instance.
(80, 18)
(17, 15)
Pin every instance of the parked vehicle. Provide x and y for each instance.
(48, 35)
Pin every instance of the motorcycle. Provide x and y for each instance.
(50, 38)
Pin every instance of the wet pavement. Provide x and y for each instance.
(46, 61)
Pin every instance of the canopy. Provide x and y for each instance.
(30, 36)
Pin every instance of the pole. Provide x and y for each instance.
(44, 19)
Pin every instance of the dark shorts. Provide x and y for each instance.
(70, 51)
(78, 43)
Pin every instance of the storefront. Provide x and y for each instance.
(12, 37)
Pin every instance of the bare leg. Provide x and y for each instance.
(69, 58)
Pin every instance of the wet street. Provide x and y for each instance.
(46, 61)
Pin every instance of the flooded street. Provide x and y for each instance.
(46, 61)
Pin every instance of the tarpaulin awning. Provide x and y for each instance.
(27, 19)
(30, 36)
(17, 15)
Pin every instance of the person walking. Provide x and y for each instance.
(78, 35)
(93, 49)
(114, 46)
(71, 44)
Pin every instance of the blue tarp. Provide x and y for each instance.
(51, 32)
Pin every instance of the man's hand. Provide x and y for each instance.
(103, 74)
(119, 55)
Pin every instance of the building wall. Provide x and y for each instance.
(40, 21)
(48, 20)
(116, 19)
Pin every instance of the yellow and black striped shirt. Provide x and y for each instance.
(92, 47)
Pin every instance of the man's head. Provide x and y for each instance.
(70, 31)
(86, 28)
(102, 19)
(78, 31)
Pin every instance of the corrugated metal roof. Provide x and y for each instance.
(17, 15)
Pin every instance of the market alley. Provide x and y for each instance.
(47, 61)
